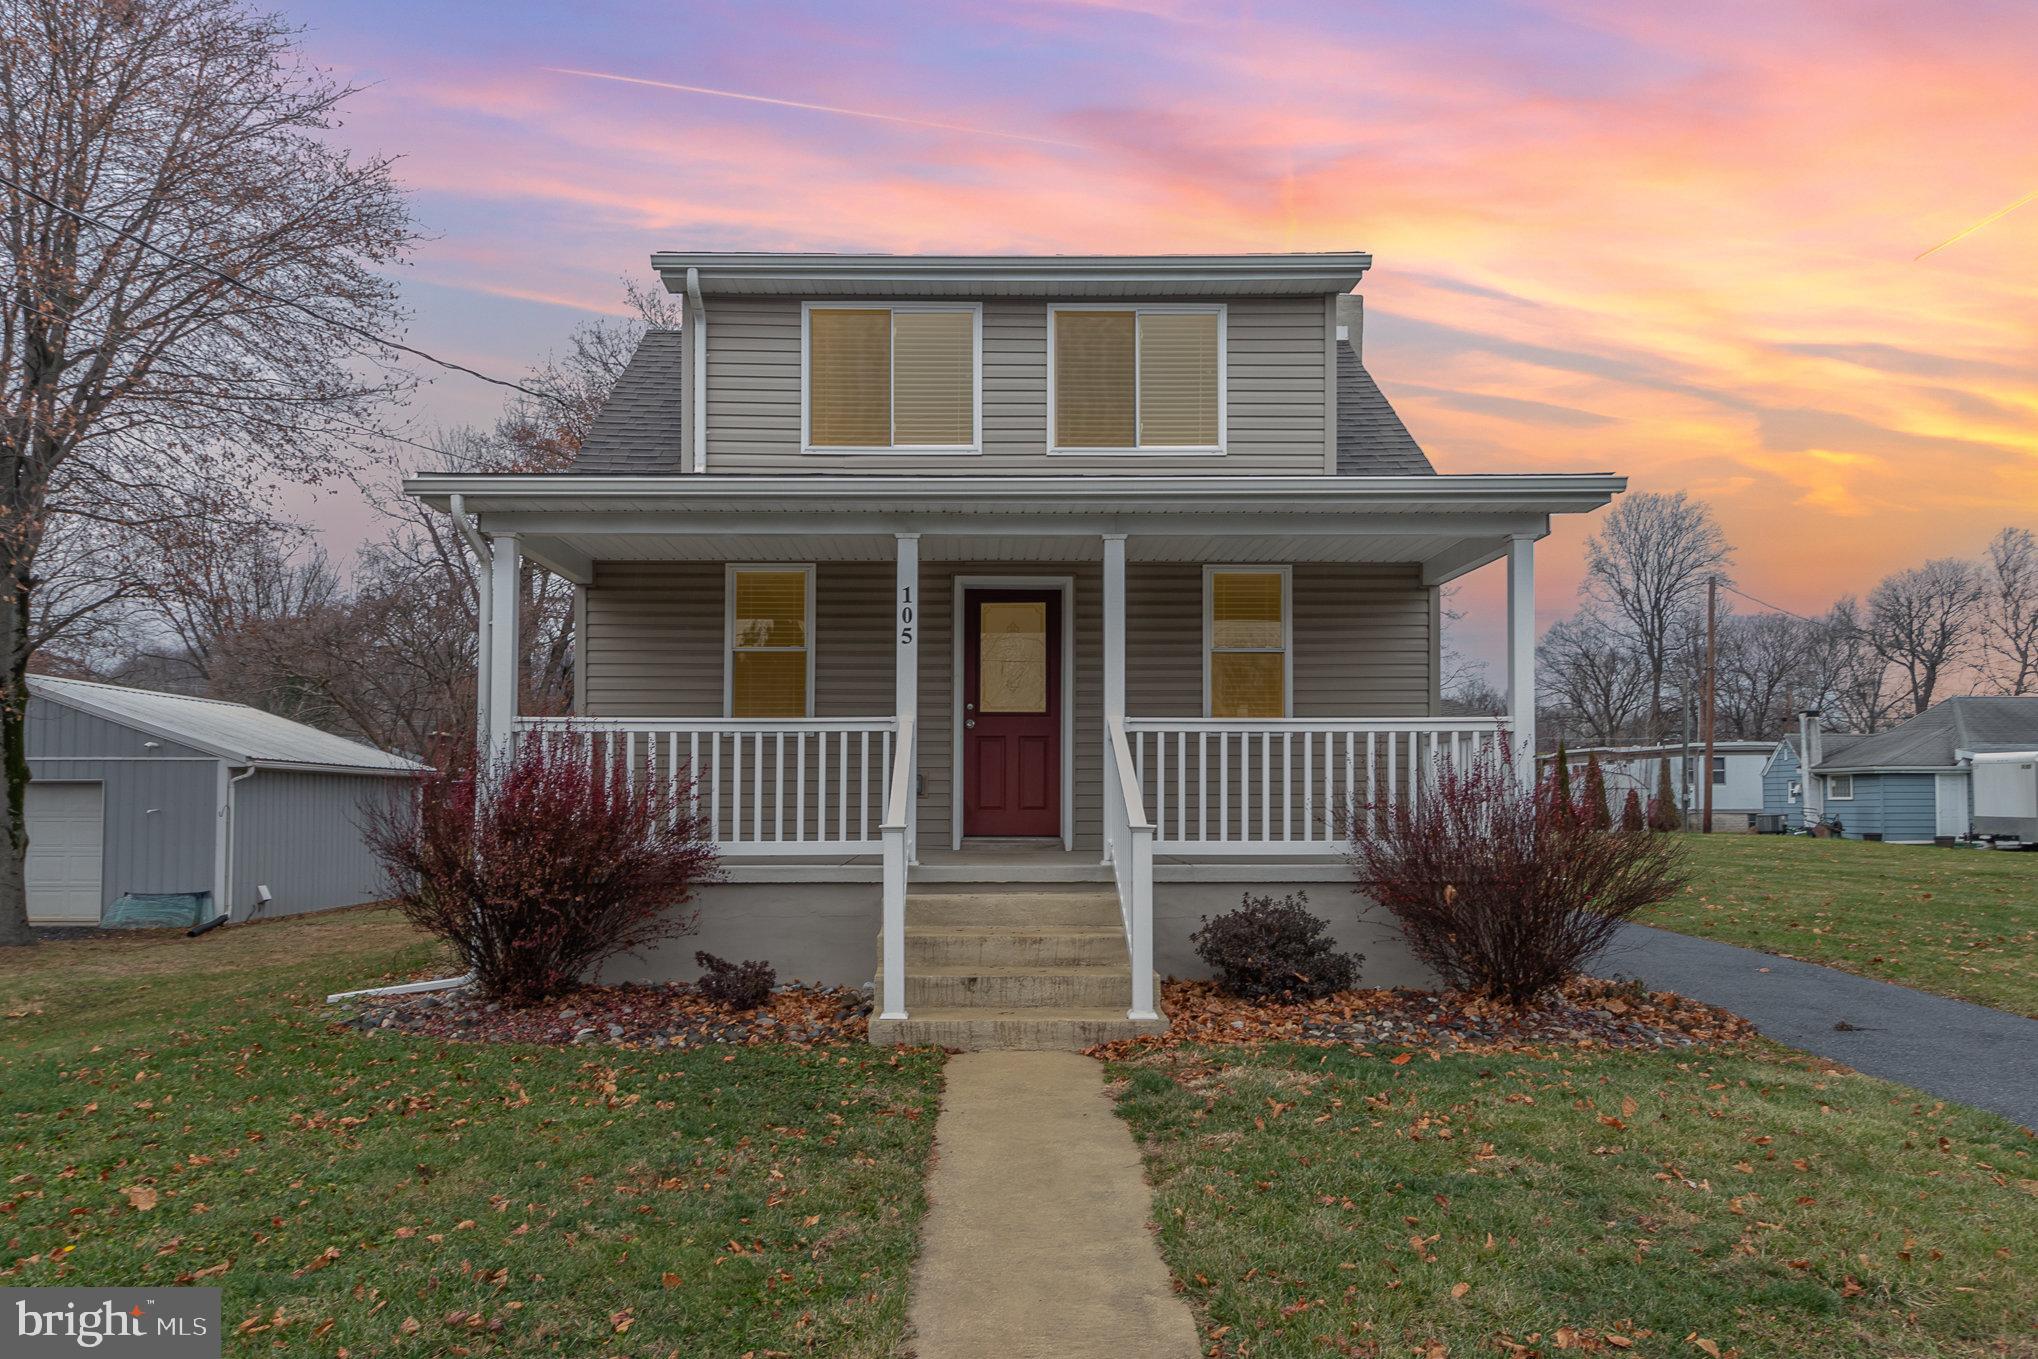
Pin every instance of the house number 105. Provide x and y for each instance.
(906, 616)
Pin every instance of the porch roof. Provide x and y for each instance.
(1447, 524)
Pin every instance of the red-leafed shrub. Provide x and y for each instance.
(1275, 950)
(1497, 890)
(539, 866)
(1632, 818)
(740, 986)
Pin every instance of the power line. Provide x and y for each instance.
(360, 331)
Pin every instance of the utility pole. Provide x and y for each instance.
(1712, 684)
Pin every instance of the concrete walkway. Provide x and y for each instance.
(1037, 1241)
(1950, 1048)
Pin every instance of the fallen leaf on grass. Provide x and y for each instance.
(141, 1196)
(1702, 1343)
(669, 1279)
(1459, 1290)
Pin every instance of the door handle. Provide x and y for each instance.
(969, 722)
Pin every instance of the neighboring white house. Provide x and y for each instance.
(1736, 776)
(1013, 613)
(134, 792)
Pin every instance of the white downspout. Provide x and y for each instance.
(226, 905)
(697, 322)
(483, 613)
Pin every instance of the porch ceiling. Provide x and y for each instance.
(996, 547)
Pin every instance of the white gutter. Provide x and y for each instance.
(484, 612)
(697, 321)
(698, 490)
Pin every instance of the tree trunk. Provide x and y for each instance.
(14, 748)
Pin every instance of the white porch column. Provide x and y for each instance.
(503, 644)
(1114, 659)
(906, 673)
(1521, 653)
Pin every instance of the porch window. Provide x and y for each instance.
(1140, 379)
(899, 377)
(770, 628)
(1246, 639)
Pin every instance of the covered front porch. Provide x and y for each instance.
(1026, 679)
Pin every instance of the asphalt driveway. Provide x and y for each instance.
(1950, 1048)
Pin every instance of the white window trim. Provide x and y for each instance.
(1832, 782)
(729, 632)
(1287, 574)
(972, 448)
(1220, 310)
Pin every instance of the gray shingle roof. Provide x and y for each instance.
(232, 731)
(639, 429)
(1371, 440)
(1930, 740)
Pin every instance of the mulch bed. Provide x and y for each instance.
(1588, 1014)
(672, 1015)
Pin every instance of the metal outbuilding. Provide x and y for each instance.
(137, 792)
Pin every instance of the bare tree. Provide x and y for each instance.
(192, 266)
(1765, 674)
(2010, 612)
(1646, 568)
(1598, 673)
(1924, 622)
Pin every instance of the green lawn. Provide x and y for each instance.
(178, 1110)
(1321, 1202)
(1958, 922)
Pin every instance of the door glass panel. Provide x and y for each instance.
(1012, 656)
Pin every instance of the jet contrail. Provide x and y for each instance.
(1997, 215)
(811, 108)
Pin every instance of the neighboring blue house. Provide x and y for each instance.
(1909, 783)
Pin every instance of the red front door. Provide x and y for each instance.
(1011, 712)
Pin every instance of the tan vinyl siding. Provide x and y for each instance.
(1278, 367)
(1364, 645)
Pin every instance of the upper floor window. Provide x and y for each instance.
(1136, 379)
(898, 377)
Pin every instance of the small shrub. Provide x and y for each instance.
(539, 866)
(1632, 817)
(1593, 808)
(1269, 950)
(1560, 783)
(1500, 894)
(1663, 813)
(739, 986)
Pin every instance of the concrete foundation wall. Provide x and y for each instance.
(827, 933)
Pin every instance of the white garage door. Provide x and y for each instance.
(65, 830)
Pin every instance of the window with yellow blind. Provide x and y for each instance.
(1247, 635)
(1137, 379)
(898, 377)
(770, 619)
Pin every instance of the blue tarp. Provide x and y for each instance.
(159, 910)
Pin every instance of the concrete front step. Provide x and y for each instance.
(1019, 988)
(1054, 946)
(1013, 910)
(1011, 1030)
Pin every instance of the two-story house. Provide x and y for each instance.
(1011, 614)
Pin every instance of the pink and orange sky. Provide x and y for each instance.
(1676, 241)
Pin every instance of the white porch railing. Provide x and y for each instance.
(767, 786)
(1280, 787)
(1129, 840)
